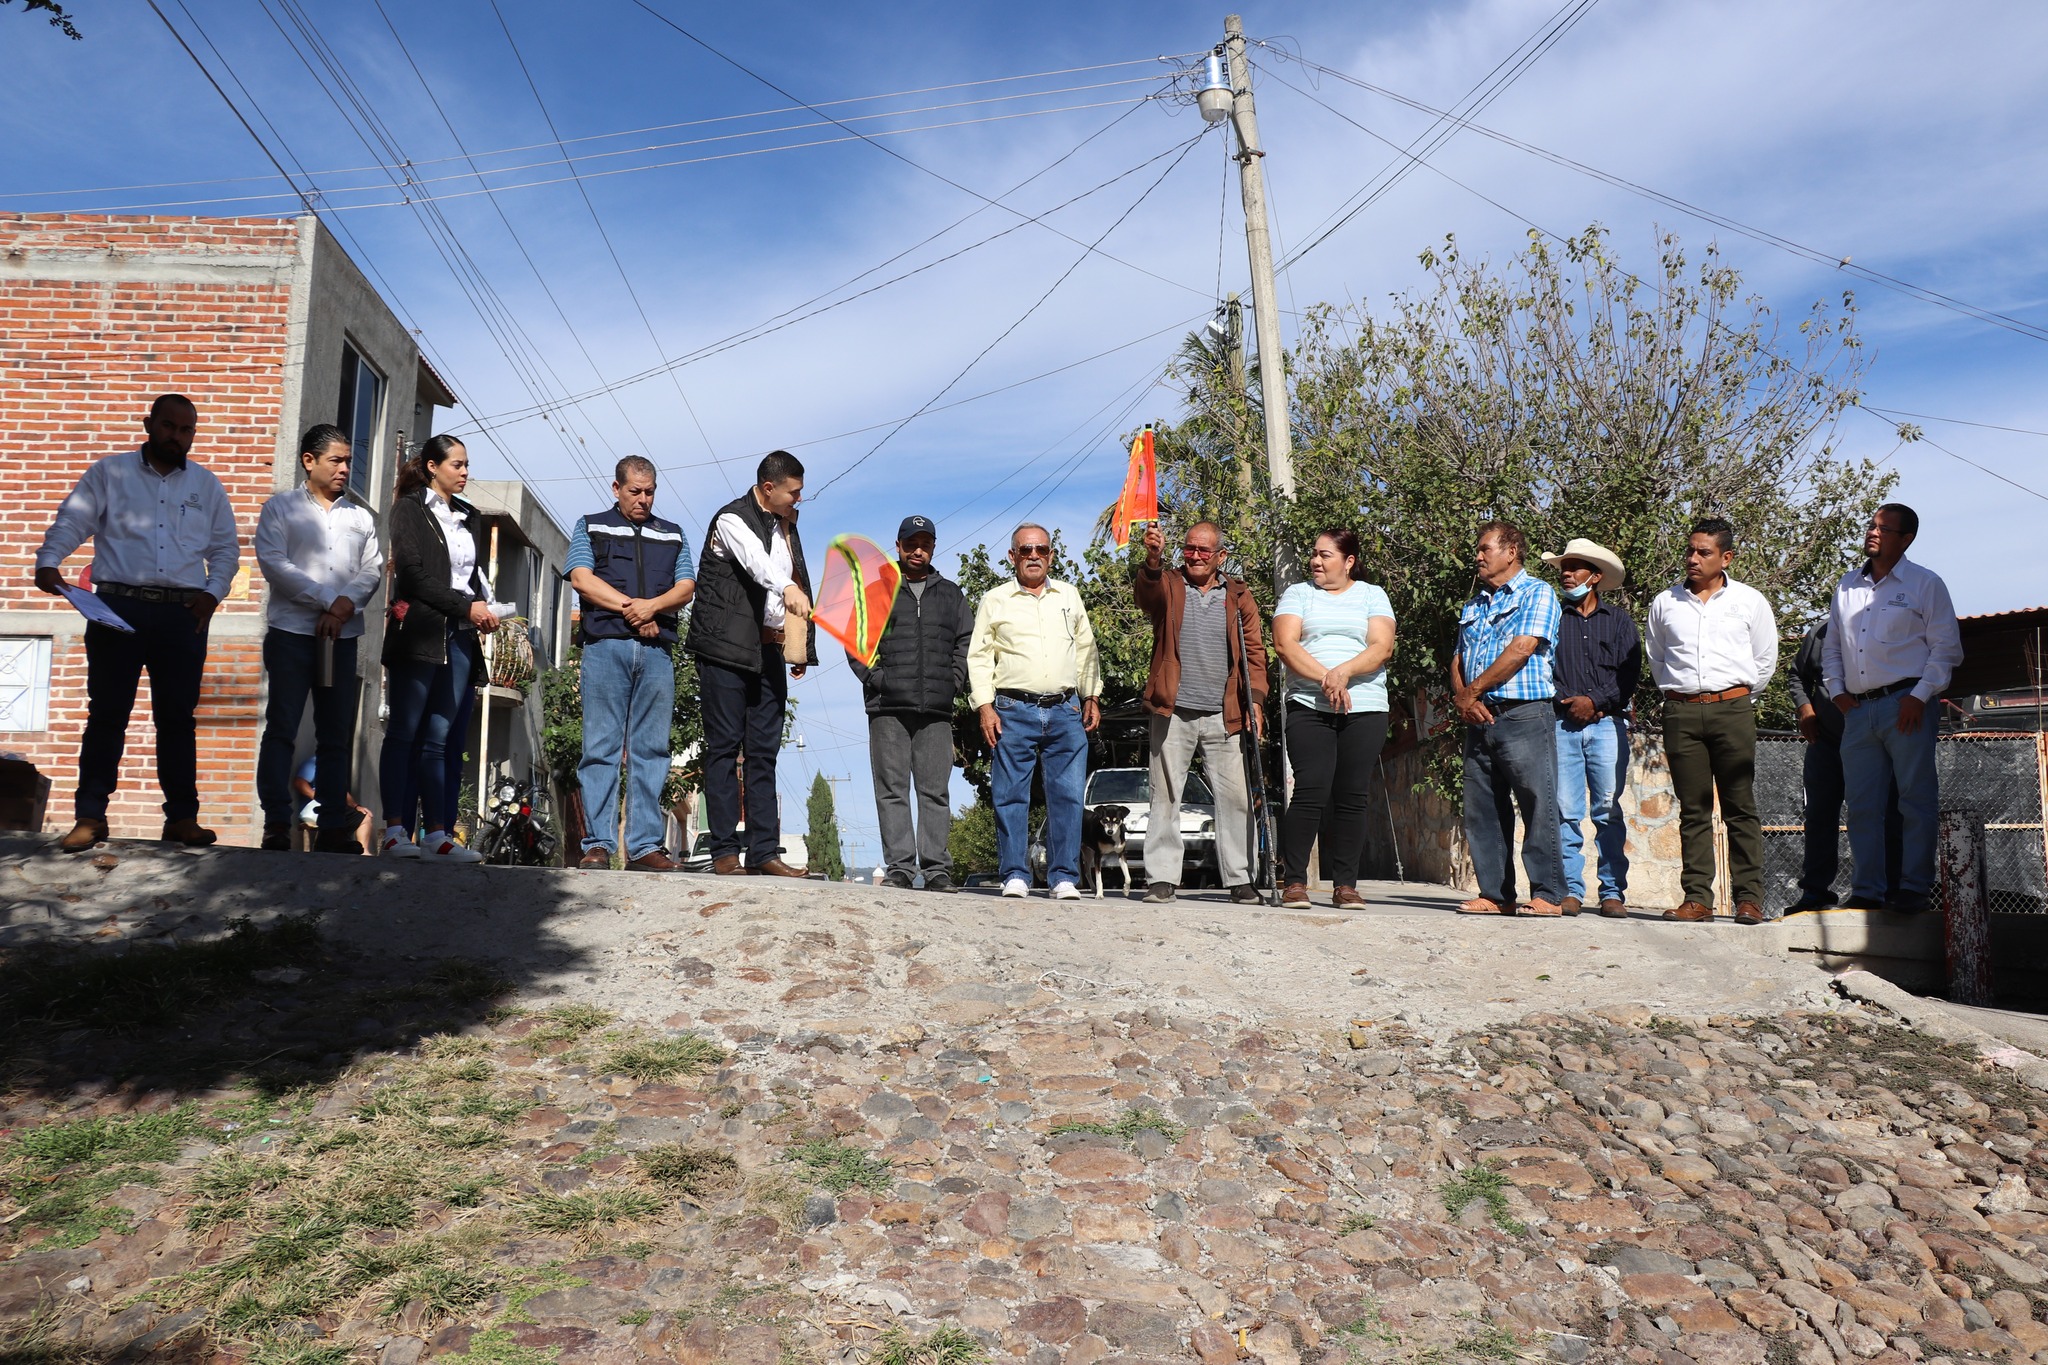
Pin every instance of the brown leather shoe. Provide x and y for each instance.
(1692, 912)
(190, 833)
(1613, 909)
(1294, 896)
(1749, 912)
(775, 867)
(654, 860)
(1347, 898)
(1571, 905)
(728, 865)
(598, 860)
(83, 835)
(1543, 909)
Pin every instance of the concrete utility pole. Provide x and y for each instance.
(1265, 306)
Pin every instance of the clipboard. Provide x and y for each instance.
(93, 610)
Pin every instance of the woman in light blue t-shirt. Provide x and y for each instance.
(1335, 635)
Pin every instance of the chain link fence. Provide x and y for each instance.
(2001, 777)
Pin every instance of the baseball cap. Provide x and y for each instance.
(913, 526)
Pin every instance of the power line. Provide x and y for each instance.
(611, 250)
(870, 139)
(1881, 415)
(1835, 260)
(1087, 251)
(653, 128)
(791, 316)
(1490, 87)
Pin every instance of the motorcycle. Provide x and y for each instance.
(516, 836)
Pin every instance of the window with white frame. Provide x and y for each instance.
(24, 682)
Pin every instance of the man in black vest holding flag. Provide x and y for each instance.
(752, 580)
(633, 572)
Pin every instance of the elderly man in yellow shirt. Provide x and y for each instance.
(1033, 674)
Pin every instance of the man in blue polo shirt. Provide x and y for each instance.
(1501, 686)
(634, 573)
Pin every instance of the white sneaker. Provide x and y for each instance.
(1016, 888)
(1066, 891)
(446, 850)
(398, 846)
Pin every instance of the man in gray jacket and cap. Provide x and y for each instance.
(919, 668)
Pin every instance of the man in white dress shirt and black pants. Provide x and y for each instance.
(164, 554)
(1892, 643)
(321, 564)
(1713, 645)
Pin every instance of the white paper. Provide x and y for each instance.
(94, 610)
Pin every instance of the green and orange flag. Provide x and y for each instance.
(856, 594)
(1139, 503)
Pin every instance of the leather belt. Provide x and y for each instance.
(1874, 693)
(1509, 703)
(181, 596)
(1726, 694)
(771, 635)
(1036, 698)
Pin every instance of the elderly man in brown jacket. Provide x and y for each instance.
(1204, 626)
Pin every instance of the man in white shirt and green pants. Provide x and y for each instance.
(1034, 677)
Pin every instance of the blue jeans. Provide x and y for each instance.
(1822, 773)
(420, 768)
(1036, 736)
(1592, 768)
(629, 695)
(1874, 756)
(290, 661)
(1511, 763)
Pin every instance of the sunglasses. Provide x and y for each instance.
(1032, 551)
(1199, 552)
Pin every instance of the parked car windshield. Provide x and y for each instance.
(1133, 787)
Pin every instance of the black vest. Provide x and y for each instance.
(725, 616)
(637, 558)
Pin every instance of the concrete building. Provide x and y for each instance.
(270, 328)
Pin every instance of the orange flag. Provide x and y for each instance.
(1139, 503)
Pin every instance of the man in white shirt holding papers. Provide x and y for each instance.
(164, 555)
(1892, 644)
(321, 566)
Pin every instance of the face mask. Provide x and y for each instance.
(1578, 594)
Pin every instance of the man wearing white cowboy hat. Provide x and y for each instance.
(1598, 663)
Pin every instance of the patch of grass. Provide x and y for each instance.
(635, 1251)
(285, 1351)
(1356, 1222)
(731, 1109)
(1492, 1343)
(1127, 1128)
(1367, 1328)
(496, 1347)
(780, 1197)
(567, 1023)
(32, 1341)
(697, 1173)
(444, 1289)
(637, 1318)
(833, 1165)
(947, 1346)
(545, 1282)
(1484, 1182)
(468, 1192)
(451, 1046)
(584, 1214)
(150, 984)
(62, 1171)
(662, 1060)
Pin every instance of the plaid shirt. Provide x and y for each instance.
(1524, 605)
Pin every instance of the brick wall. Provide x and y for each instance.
(97, 317)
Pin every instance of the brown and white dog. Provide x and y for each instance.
(1102, 841)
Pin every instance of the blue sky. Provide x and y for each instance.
(1905, 137)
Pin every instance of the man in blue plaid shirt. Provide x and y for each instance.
(1501, 685)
